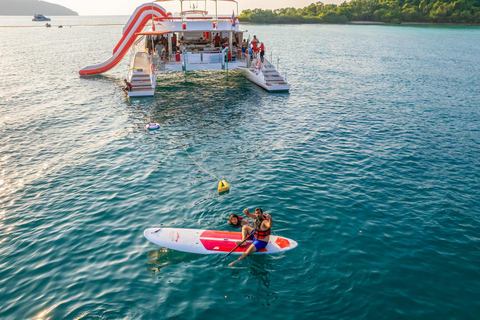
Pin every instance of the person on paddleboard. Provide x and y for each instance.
(237, 221)
(260, 233)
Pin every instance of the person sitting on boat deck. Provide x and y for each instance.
(223, 42)
(262, 51)
(149, 44)
(236, 221)
(217, 40)
(260, 234)
(165, 43)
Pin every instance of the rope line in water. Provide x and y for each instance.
(188, 154)
(173, 138)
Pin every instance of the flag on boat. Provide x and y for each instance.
(233, 19)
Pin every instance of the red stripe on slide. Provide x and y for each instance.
(128, 45)
(119, 57)
(139, 13)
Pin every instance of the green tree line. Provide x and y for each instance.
(391, 11)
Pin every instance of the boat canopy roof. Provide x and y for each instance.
(152, 33)
(194, 12)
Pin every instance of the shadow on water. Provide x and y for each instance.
(258, 277)
(164, 257)
(103, 78)
(206, 100)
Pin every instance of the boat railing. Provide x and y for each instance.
(184, 59)
(224, 54)
(284, 73)
(269, 65)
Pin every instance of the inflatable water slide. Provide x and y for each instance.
(135, 24)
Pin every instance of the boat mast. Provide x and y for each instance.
(181, 10)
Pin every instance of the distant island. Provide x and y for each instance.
(30, 7)
(386, 11)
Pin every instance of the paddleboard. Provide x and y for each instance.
(210, 242)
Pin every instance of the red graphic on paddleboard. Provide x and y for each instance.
(224, 241)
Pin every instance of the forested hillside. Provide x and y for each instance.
(392, 11)
(30, 7)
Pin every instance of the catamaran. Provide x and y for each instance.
(160, 42)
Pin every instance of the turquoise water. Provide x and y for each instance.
(371, 163)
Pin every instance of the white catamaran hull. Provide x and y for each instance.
(260, 80)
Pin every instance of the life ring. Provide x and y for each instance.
(258, 66)
(153, 126)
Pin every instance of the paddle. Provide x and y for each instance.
(238, 245)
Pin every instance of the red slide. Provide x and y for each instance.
(137, 22)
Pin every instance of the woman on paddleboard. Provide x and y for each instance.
(260, 233)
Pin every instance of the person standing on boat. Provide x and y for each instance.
(160, 49)
(255, 48)
(217, 40)
(174, 42)
(262, 51)
(260, 233)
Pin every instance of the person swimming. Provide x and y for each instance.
(236, 221)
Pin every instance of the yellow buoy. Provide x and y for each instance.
(223, 186)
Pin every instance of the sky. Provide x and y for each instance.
(126, 7)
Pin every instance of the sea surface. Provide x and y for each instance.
(371, 163)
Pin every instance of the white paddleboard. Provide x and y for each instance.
(210, 242)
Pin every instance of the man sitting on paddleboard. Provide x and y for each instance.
(260, 234)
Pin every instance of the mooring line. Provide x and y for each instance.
(222, 186)
(188, 154)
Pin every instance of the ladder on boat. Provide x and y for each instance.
(141, 82)
(271, 74)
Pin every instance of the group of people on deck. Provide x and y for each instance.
(218, 41)
(259, 233)
(159, 45)
(257, 48)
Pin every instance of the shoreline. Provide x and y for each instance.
(444, 24)
(414, 23)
